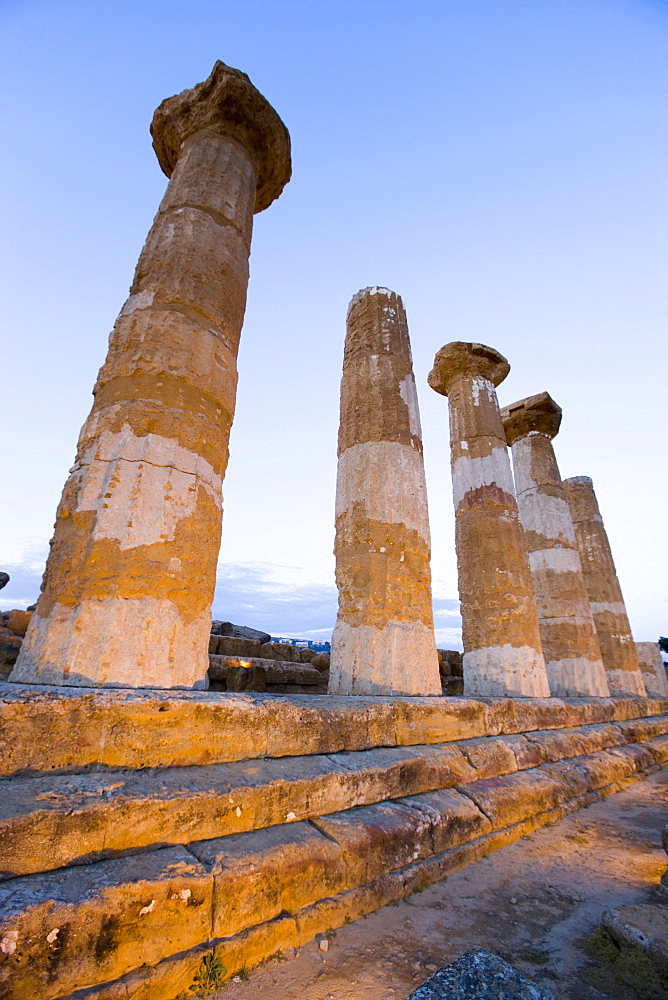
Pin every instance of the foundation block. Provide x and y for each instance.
(302, 844)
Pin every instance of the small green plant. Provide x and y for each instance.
(347, 919)
(535, 955)
(243, 974)
(210, 975)
(628, 965)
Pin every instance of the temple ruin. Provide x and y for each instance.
(155, 832)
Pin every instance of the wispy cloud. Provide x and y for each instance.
(25, 579)
(261, 595)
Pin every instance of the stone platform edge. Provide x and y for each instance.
(139, 728)
(171, 978)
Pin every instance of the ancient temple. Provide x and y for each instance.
(154, 830)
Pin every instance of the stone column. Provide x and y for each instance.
(567, 631)
(383, 642)
(129, 581)
(502, 649)
(618, 650)
(653, 671)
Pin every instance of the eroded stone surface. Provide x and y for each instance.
(567, 630)
(383, 642)
(129, 581)
(143, 729)
(75, 928)
(415, 827)
(52, 821)
(618, 650)
(502, 648)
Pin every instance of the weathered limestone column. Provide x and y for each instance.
(567, 631)
(618, 650)
(502, 649)
(653, 671)
(129, 582)
(383, 642)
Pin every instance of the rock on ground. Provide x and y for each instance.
(478, 975)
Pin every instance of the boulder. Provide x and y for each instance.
(269, 671)
(238, 631)
(10, 646)
(4, 580)
(262, 674)
(643, 925)
(238, 646)
(18, 621)
(321, 662)
(479, 975)
(451, 662)
(307, 655)
(280, 651)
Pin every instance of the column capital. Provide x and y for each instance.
(227, 103)
(537, 413)
(459, 358)
(582, 499)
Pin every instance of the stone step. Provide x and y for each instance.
(52, 821)
(247, 895)
(129, 728)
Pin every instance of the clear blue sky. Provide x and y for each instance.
(500, 163)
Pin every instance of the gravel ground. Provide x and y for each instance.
(535, 903)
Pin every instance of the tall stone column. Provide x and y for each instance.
(618, 649)
(129, 581)
(502, 649)
(383, 642)
(567, 631)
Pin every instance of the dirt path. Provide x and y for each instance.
(534, 903)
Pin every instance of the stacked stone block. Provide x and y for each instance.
(241, 825)
(567, 630)
(129, 581)
(502, 647)
(383, 642)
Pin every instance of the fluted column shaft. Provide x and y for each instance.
(654, 674)
(383, 642)
(502, 649)
(567, 631)
(129, 582)
(618, 649)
